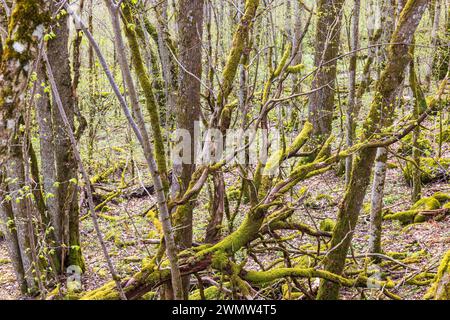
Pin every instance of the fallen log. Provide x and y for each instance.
(423, 210)
(104, 175)
(144, 191)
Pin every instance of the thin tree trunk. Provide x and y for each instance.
(16, 172)
(376, 208)
(379, 178)
(159, 187)
(387, 25)
(352, 86)
(7, 225)
(420, 105)
(296, 43)
(434, 39)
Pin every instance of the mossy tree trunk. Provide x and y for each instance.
(420, 106)
(156, 161)
(440, 290)
(7, 226)
(48, 162)
(190, 27)
(380, 116)
(436, 17)
(327, 40)
(26, 26)
(147, 87)
(66, 223)
(236, 55)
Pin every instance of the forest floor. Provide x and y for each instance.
(126, 222)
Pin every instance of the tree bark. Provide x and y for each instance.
(376, 207)
(27, 23)
(67, 222)
(379, 178)
(190, 28)
(352, 86)
(327, 39)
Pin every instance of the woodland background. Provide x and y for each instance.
(92, 207)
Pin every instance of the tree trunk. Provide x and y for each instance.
(66, 166)
(352, 86)
(434, 38)
(47, 153)
(7, 226)
(327, 39)
(420, 106)
(190, 27)
(382, 156)
(380, 116)
(376, 207)
(17, 56)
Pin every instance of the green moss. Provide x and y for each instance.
(301, 138)
(148, 276)
(103, 176)
(245, 233)
(266, 277)
(76, 257)
(430, 203)
(220, 260)
(149, 296)
(397, 255)
(422, 279)
(440, 290)
(152, 107)
(442, 197)
(431, 169)
(413, 215)
(289, 295)
(283, 61)
(238, 45)
(327, 225)
(423, 144)
(295, 69)
(106, 292)
(405, 217)
(211, 293)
